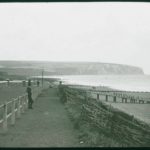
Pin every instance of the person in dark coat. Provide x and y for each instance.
(38, 83)
(29, 82)
(30, 100)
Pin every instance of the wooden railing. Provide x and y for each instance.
(107, 120)
(15, 107)
(82, 95)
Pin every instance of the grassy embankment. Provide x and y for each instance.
(102, 125)
(12, 91)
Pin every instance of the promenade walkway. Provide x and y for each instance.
(46, 125)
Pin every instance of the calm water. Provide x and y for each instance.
(122, 82)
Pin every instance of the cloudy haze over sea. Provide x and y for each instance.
(103, 32)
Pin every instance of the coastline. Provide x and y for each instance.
(139, 109)
(100, 123)
(119, 82)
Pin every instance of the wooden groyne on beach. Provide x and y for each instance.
(99, 122)
(96, 121)
(109, 94)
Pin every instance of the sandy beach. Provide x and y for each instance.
(140, 111)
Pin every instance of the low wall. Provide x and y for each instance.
(101, 124)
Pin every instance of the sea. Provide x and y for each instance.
(121, 82)
(140, 83)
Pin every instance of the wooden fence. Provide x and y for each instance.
(14, 108)
(111, 122)
(116, 95)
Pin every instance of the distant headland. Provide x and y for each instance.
(31, 68)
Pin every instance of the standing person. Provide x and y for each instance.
(29, 82)
(30, 100)
(38, 83)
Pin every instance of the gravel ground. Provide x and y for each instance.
(46, 125)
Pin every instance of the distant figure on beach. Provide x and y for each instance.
(29, 82)
(38, 83)
(30, 100)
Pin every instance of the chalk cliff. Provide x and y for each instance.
(66, 68)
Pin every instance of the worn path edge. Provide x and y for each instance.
(46, 125)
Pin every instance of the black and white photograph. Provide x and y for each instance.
(74, 74)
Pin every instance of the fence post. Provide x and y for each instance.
(26, 101)
(97, 96)
(22, 103)
(5, 118)
(114, 98)
(18, 109)
(106, 98)
(34, 93)
(131, 100)
(13, 113)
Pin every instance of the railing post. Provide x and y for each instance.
(33, 92)
(39, 90)
(18, 109)
(106, 98)
(5, 118)
(114, 98)
(97, 96)
(26, 101)
(22, 103)
(13, 113)
(131, 100)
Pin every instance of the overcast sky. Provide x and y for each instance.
(102, 32)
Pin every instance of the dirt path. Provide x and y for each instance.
(47, 125)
